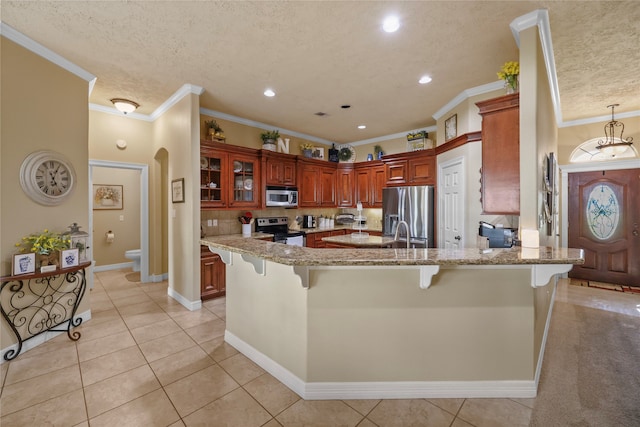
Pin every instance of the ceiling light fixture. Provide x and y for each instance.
(362, 127)
(269, 93)
(391, 24)
(612, 145)
(424, 80)
(124, 105)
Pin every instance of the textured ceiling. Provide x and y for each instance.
(320, 55)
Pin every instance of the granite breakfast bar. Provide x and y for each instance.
(391, 323)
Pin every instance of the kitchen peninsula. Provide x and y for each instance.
(392, 323)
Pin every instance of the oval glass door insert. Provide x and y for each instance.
(603, 213)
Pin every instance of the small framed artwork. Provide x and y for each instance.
(107, 196)
(23, 264)
(177, 190)
(451, 127)
(317, 153)
(69, 258)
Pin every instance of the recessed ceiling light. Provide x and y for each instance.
(269, 93)
(391, 24)
(424, 80)
(362, 127)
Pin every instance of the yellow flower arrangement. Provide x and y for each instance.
(44, 243)
(306, 146)
(509, 73)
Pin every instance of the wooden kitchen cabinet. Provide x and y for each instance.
(212, 274)
(229, 176)
(316, 184)
(279, 169)
(344, 185)
(500, 186)
(370, 179)
(422, 170)
(314, 240)
(412, 168)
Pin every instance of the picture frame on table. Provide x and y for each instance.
(177, 190)
(108, 197)
(69, 258)
(23, 264)
(451, 127)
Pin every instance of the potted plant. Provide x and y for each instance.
(46, 245)
(307, 149)
(269, 139)
(213, 129)
(378, 152)
(509, 73)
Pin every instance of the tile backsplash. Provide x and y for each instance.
(228, 223)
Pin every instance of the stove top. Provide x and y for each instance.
(277, 225)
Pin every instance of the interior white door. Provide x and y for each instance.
(452, 202)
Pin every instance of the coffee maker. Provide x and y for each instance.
(308, 221)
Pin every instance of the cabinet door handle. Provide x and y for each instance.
(457, 237)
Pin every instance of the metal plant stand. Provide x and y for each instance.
(36, 303)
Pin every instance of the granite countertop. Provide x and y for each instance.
(295, 255)
(360, 242)
(337, 227)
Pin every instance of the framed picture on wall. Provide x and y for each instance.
(451, 127)
(177, 190)
(107, 196)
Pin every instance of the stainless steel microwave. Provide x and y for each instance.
(284, 197)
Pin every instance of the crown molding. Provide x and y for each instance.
(466, 94)
(260, 125)
(115, 112)
(599, 119)
(185, 90)
(35, 47)
(540, 18)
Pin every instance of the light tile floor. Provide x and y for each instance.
(145, 360)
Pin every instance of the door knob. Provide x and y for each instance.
(635, 232)
(457, 237)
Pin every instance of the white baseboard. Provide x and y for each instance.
(384, 390)
(40, 339)
(99, 268)
(155, 278)
(190, 305)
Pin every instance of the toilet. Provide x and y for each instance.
(134, 255)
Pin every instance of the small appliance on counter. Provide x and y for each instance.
(498, 237)
(308, 221)
(345, 219)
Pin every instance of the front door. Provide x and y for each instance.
(604, 220)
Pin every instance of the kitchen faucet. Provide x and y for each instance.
(406, 226)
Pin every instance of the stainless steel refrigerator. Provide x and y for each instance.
(413, 205)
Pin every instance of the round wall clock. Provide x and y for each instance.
(47, 177)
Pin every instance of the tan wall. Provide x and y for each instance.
(176, 131)
(249, 136)
(538, 131)
(124, 223)
(571, 137)
(43, 107)
(104, 130)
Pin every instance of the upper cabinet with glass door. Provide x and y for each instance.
(244, 176)
(229, 176)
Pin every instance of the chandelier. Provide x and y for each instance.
(612, 145)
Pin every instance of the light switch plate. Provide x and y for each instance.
(121, 217)
(209, 223)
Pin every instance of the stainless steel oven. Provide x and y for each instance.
(279, 227)
(284, 197)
